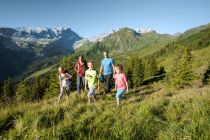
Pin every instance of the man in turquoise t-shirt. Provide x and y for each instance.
(107, 65)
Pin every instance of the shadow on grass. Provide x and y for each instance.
(153, 79)
(206, 77)
(7, 121)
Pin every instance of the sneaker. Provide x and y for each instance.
(102, 93)
(117, 106)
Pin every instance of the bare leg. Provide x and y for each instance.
(59, 98)
(61, 94)
(89, 99)
(93, 98)
(118, 102)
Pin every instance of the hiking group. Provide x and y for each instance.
(88, 77)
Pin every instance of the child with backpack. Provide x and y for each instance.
(91, 79)
(64, 79)
(121, 84)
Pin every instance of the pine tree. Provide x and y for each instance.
(23, 92)
(152, 69)
(206, 76)
(137, 72)
(7, 90)
(182, 74)
(129, 77)
(53, 87)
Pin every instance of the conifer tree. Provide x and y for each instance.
(206, 78)
(53, 87)
(137, 72)
(152, 69)
(7, 90)
(182, 74)
(23, 92)
(129, 76)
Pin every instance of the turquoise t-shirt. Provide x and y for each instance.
(107, 66)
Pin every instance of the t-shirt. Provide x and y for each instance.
(81, 67)
(65, 83)
(91, 76)
(120, 81)
(107, 65)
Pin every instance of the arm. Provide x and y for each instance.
(126, 82)
(86, 85)
(76, 67)
(69, 76)
(126, 85)
(115, 86)
(112, 62)
(59, 77)
(98, 85)
(101, 68)
(113, 69)
(86, 82)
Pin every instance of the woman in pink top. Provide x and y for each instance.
(121, 84)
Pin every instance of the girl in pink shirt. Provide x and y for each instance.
(121, 84)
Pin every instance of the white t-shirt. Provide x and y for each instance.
(64, 83)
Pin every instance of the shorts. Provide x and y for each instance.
(65, 89)
(91, 91)
(119, 93)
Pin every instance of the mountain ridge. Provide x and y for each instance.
(17, 44)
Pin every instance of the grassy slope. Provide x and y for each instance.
(147, 113)
(150, 112)
(201, 59)
(40, 72)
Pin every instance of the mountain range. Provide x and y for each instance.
(25, 46)
(27, 50)
(39, 40)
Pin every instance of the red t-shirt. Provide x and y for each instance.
(120, 81)
(81, 68)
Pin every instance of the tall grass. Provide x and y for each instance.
(146, 114)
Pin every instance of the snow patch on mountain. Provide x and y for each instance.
(145, 30)
(96, 38)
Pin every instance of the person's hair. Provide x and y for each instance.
(106, 52)
(89, 61)
(66, 71)
(120, 67)
(82, 58)
(60, 69)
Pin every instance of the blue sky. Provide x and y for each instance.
(92, 17)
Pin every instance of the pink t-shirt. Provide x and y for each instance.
(120, 81)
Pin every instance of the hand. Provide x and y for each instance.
(115, 89)
(77, 71)
(98, 89)
(127, 90)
